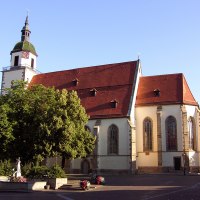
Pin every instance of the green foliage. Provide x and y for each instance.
(38, 172)
(41, 172)
(25, 169)
(56, 172)
(6, 136)
(5, 168)
(39, 122)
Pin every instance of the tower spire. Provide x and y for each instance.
(25, 31)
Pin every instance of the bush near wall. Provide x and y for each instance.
(6, 168)
(42, 172)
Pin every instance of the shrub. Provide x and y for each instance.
(56, 172)
(26, 169)
(5, 168)
(41, 172)
(38, 172)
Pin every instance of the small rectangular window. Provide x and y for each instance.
(16, 61)
(32, 63)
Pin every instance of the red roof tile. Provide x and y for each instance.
(112, 82)
(173, 90)
(187, 94)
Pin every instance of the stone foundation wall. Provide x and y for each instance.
(148, 170)
(155, 169)
(194, 169)
(141, 170)
(104, 171)
(23, 186)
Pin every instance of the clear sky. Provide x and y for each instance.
(68, 34)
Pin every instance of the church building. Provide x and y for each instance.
(142, 123)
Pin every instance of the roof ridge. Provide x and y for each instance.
(162, 75)
(95, 66)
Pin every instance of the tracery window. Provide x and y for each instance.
(147, 134)
(113, 139)
(191, 132)
(171, 133)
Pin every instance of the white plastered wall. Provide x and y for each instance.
(111, 162)
(29, 73)
(142, 158)
(25, 74)
(193, 155)
(10, 75)
(151, 158)
(23, 61)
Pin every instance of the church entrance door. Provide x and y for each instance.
(85, 167)
(177, 163)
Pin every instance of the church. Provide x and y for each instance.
(142, 124)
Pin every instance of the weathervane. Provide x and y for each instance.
(138, 56)
(27, 11)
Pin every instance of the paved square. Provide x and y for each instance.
(126, 187)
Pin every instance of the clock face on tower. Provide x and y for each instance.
(25, 54)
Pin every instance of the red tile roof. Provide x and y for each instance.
(112, 82)
(173, 90)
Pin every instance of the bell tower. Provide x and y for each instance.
(23, 60)
(25, 31)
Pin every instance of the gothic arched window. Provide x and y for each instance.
(147, 134)
(171, 133)
(113, 139)
(191, 132)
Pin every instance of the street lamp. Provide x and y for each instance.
(184, 157)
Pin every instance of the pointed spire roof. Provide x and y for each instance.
(25, 31)
(24, 44)
(26, 25)
(26, 22)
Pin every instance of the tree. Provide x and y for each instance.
(6, 136)
(44, 122)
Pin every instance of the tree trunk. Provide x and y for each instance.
(63, 162)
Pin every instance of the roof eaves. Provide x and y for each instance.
(159, 103)
(107, 116)
(190, 103)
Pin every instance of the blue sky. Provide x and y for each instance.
(67, 34)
